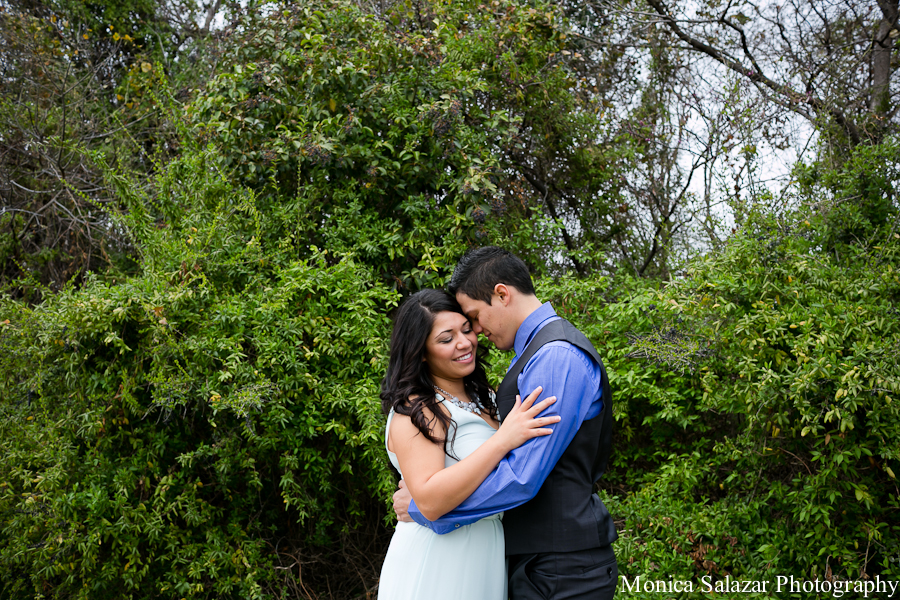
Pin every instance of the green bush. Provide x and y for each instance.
(205, 422)
(402, 139)
(765, 446)
(184, 432)
(208, 423)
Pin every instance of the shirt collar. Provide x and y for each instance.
(531, 325)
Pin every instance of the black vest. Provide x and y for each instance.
(565, 515)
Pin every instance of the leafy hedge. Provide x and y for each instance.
(400, 143)
(210, 428)
(183, 432)
(758, 426)
(205, 424)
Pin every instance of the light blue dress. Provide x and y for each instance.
(465, 564)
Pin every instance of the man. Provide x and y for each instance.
(558, 532)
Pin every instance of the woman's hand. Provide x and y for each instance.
(522, 422)
(439, 489)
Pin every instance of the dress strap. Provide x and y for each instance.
(387, 431)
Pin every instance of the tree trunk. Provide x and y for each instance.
(881, 58)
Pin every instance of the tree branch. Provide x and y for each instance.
(211, 14)
(756, 75)
(545, 193)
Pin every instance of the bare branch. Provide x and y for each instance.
(792, 97)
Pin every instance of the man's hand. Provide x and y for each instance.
(402, 498)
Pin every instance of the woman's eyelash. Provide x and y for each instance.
(447, 341)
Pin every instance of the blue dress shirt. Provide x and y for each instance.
(564, 371)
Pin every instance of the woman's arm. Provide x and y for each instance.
(438, 490)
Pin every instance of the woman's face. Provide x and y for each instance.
(450, 347)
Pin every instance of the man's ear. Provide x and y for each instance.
(501, 290)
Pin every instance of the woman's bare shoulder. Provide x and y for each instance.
(406, 426)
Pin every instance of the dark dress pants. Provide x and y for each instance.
(582, 575)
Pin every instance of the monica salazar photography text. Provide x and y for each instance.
(779, 584)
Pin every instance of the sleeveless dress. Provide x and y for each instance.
(468, 563)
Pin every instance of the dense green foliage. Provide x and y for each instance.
(396, 133)
(168, 434)
(771, 442)
(210, 422)
(199, 418)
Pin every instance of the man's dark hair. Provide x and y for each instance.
(480, 269)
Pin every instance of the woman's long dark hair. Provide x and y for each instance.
(407, 386)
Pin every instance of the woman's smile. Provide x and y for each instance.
(450, 347)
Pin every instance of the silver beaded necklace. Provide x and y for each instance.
(474, 406)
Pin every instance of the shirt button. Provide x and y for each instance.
(457, 525)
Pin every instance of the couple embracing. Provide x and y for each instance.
(468, 454)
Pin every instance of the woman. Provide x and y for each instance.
(443, 437)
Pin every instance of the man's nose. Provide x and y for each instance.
(477, 328)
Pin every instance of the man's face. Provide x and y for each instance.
(492, 320)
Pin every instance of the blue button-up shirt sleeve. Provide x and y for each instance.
(566, 372)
